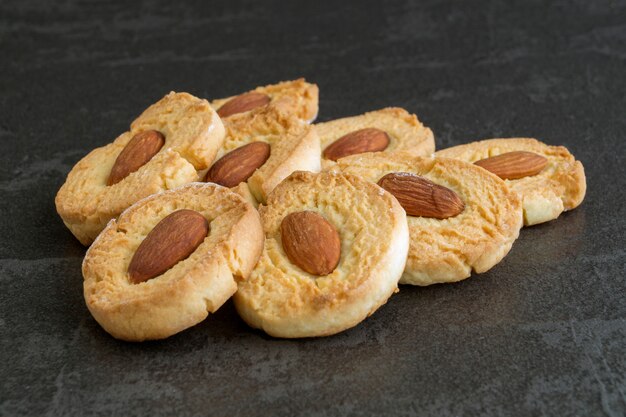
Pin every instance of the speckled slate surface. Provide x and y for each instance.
(543, 333)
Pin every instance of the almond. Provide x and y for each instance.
(243, 103)
(238, 165)
(359, 141)
(137, 152)
(173, 239)
(422, 197)
(311, 242)
(514, 165)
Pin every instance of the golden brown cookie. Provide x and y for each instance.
(461, 218)
(335, 247)
(137, 288)
(557, 185)
(184, 131)
(260, 153)
(388, 130)
(300, 97)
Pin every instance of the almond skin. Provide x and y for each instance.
(238, 165)
(137, 152)
(173, 239)
(422, 197)
(242, 103)
(311, 242)
(514, 165)
(359, 141)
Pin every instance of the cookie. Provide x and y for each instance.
(388, 130)
(461, 218)
(165, 148)
(299, 96)
(555, 183)
(335, 247)
(260, 153)
(169, 260)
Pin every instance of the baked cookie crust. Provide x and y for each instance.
(286, 301)
(405, 131)
(193, 135)
(294, 145)
(299, 96)
(185, 294)
(448, 250)
(559, 187)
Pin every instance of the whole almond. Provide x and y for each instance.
(422, 197)
(311, 242)
(173, 239)
(242, 103)
(514, 165)
(238, 165)
(137, 152)
(359, 141)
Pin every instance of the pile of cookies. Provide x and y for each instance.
(309, 227)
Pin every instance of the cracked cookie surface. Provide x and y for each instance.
(183, 295)
(300, 97)
(406, 133)
(559, 187)
(193, 135)
(284, 300)
(294, 146)
(448, 250)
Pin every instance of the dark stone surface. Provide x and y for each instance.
(542, 333)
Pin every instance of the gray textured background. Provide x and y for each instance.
(542, 334)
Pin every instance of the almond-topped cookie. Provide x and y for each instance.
(388, 130)
(335, 247)
(262, 151)
(548, 178)
(300, 97)
(166, 147)
(461, 218)
(169, 260)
